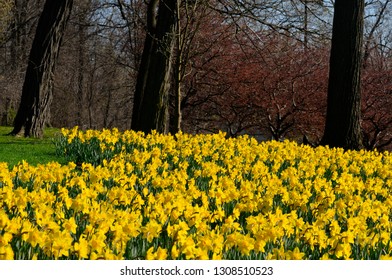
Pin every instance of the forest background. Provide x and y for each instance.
(254, 67)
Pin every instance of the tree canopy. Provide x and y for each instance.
(255, 67)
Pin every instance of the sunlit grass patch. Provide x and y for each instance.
(15, 149)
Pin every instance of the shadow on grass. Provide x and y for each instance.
(27, 142)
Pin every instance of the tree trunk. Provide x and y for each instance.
(82, 18)
(176, 117)
(150, 106)
(37, 89)
(343, 127)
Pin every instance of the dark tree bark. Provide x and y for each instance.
(82, 38)
(150, 106)
(343, 127)
(37, 89)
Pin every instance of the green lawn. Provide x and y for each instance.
(15, 149)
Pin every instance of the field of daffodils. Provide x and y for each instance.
(126, 195)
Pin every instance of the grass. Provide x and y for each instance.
(35, 151)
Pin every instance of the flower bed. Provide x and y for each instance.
(126, 195)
